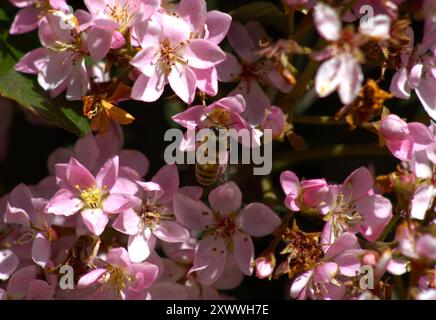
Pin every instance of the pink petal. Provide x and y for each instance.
(117, 203)
(175, 29)
(347, 241)
(399, 85)
(41, 250)
(87, 152)
(234, 103)
(91, 278)
(402, 149)
(327, 77)
(145, 275)
(241, 41)
(193, 192)
(207, 80)
(171, 231)
(351, 79)
(148, 89)
(230, 69)
(325, 272)
(118, 257)
(135, 160)
(218, 24)
(108, 173)
(289, 182)
(426, 246)
(193, 12)
(192, 213)
(25, 20)
(145, 61)
(31, 61)
(327, 22)
(8, 264)
(425, 93)
(377, 27)
(203, 54)
(415, 75)
(99, 42)
(64, 203)
(394, 128)
(168, 179)
(190, 115)
(40, 290)
(397, 267)
(255, 98)
(358, 184)
(19, 282)
(243, 252)
(183, 82)
(421, 135)
(377, 212)
(140, 245)
(421, 201)
(128, 222)
(226, 198)
(299, 286)
(95, 220)
(258, 220)
(78, 176)
(209, 260)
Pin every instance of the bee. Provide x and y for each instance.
(209, 173)
(81, 255)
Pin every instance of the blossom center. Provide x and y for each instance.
(92, 197)
(117, 278)
(226, 227)
(169, 55)
(121, 13)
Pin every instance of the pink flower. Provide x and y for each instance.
(169, 55)
(402, 139)
(225, 113)
(31, 12)
(152, 216)
(341, 259)
(24, 284)
(91, 196)
(60, 65)
(415, 245)
(250, 70)
(422, 165)
(92, 151)
(120, 278)
(309, 193)
(110, 20)
(353, 207)
(178, 282)
(24, 209)
(227, 229)
(274, 120)
(342, 70)
(417, 72)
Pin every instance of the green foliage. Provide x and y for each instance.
(24, 89)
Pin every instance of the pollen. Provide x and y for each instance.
(92, 197)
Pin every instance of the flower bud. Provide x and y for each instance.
(393, 128)
(265, 266)
(275, 120)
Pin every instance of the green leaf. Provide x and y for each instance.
(267, 13)
(25, 90)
